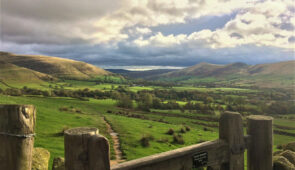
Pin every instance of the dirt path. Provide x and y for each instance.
(116, 146)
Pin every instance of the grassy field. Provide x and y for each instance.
(51, 121)
(204, 89)
(131, 130)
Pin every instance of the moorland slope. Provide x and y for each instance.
(54, 66)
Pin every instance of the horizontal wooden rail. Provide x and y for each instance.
(217, 153)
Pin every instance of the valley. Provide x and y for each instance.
(173, 110)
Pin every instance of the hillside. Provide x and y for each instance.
(273, 75)
(202, 69)
(281, 68)
(11, 74)
(57, 67)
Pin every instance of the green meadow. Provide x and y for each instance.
(132, 125)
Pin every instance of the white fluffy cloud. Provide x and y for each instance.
(124, 30)
(269, 23)
(53, 21)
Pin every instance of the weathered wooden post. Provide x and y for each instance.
(260, 147)
(231, 130)
(17, 127)
(85, 149)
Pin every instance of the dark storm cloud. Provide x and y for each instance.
(127, 54)
(57, 10)
(51, 22)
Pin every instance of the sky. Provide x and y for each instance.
(151, 33)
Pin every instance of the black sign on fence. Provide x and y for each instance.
(200, 159)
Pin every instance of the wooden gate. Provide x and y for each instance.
(85, 149)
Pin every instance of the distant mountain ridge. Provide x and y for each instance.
(54, 66)
(271, 75)
(242, 69)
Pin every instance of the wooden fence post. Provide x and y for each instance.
(260, 147)
(85, 149)
(231, 130)
(17, 127)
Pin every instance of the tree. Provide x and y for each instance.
(125, 101)
(157, 103)
(209, 100)
(146, 102)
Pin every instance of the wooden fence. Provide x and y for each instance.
(85, 149)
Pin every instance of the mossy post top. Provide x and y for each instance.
(82, 131)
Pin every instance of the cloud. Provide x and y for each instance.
(262, 25)
(123, 32)
(68, 22)
(53, 21)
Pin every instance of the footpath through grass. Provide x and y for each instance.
(132, 130)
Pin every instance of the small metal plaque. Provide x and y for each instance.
(200, 159)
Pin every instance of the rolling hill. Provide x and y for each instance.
(54, 66)
(203, 69)
(273, 75)
(12, 74)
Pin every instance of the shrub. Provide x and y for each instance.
(13, 92)
(63, 109)
(170, 131)
(145, 140)
(187, 128)
(78, 110)
(125, 101)
(182, 130)
(177, 138)
(279, 146)
(207, 129)
(161, 120)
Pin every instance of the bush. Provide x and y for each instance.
(78, 110)
(63, 109)
(207, 129)
(125, 101)
(170, 131)
(279, 146)
(177, 138)
(187, 128)
(13, 92)
(145, 140)
(182, 130)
